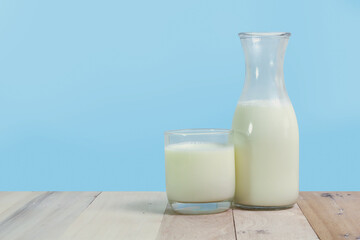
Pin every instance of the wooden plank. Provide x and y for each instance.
(333, 215)
(282, 224)
(214, 226)
(10, 202)
(120, 215)
(45, 216)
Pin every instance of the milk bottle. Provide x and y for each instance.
(265, 128)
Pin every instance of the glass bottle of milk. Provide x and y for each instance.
(265, 128)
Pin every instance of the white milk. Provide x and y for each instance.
(267, 153)
(199, 172)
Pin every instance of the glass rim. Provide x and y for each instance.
(244, 35)
(199, 131)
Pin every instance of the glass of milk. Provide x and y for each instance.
(200, 170)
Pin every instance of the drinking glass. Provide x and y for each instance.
(200, 170)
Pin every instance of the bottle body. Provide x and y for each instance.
(266, 135)
(266, 154)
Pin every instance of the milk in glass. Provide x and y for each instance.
(199, 172)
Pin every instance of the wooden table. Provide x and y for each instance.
(145, 215)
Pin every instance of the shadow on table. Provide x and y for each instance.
(155, 207)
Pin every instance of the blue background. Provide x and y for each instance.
(87, 88)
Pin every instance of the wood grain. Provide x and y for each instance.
(140, 215)
(10, 202)
(45, 216)
(120, 215)
(283, 224)
(218, 226)
(333, 215)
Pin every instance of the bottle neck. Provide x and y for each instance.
(264, 78)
